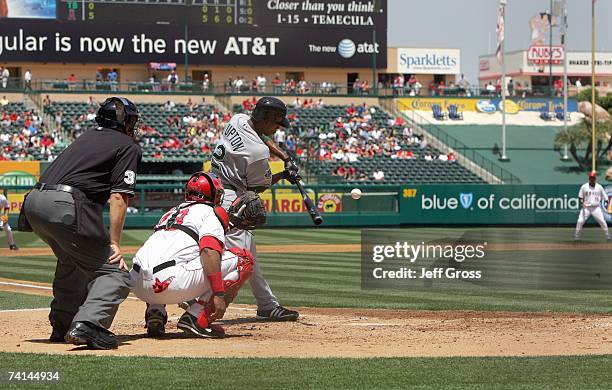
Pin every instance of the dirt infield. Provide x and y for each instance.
(342, 248)
(327, 332)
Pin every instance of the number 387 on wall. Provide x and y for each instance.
(409, 192)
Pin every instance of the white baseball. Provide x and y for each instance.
(355, 193)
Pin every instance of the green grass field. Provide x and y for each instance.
(304, 279)
(329, 280)
(575, 372)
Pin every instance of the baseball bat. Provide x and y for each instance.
(312, 210)
(310, 207)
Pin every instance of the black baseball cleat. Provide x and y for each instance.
(57, 336)
(155, 322)
(13, 247)
(279, 313)
(189, 324)
(84, 333)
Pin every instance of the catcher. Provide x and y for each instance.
(4, 210)
(184, 259)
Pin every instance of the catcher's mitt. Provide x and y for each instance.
(247, 211)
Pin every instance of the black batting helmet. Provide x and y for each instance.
(118, 113)
(272, 109)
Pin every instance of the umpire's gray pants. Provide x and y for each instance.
(244, 239)
(86, 288)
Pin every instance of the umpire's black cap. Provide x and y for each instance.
(271, 108)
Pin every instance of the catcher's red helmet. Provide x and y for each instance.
(204, 187)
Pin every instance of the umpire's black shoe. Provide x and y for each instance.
(279, 313)
(13, 247)
(84, 333)
(57, 336)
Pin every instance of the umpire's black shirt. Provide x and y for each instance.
(98, 162)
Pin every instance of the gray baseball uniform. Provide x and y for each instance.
(240, 159)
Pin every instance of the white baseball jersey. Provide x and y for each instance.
(592, 196)
(4, 204)
(185, 279)
(166, 245)
(240, 158)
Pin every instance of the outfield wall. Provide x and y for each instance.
(475, 205)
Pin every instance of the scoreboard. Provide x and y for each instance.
(263, 13)
(321, 33)
(203, 12)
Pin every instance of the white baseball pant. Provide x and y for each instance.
(244, 239)
(9, 232)
(597, 213)
(186, 282)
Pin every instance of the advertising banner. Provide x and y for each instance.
(488, 105)
(494, 204)
(428, 61)
(424, 104)
(274, 33)
(13, 173)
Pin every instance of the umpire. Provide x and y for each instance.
(65, 211)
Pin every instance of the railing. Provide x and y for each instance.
(312, 89)
(490, 167)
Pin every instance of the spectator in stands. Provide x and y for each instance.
(320, 103)
(4, 101)
(510, 87)
(379, 175)
(578, 83)
(291, 144)
(59, 118)
(4, 76)
(205, 83)
(169, 105)
(92, 102)
(498, 88)
(428, 156)
(463, 86)
(261, 83)
(71, 82)
(91, 114)
(99, 76)
(302, 86)
(113, 77)
(27, 80)
(365, 87)
(280, 136)
(490, 89)
(451, 157)
(277, 84)
(297, 103)
(173, 80)
(433, 88)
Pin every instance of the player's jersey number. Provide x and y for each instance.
(173, 217)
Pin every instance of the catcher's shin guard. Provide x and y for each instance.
(236, 278)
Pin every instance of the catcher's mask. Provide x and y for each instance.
(272, 109)
(204, 187)
(118, 113)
